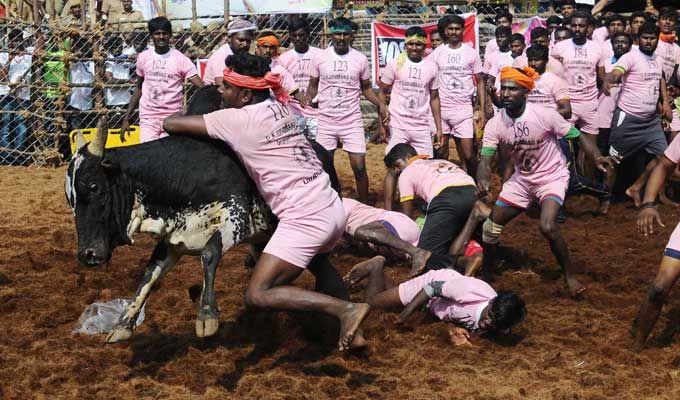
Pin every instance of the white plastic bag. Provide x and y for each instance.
(101, 317)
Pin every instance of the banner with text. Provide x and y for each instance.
(182, 8)
(387, 41)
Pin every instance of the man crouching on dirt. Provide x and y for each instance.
(470, 303)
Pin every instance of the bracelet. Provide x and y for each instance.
(648, 204)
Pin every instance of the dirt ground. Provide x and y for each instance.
(565, 349)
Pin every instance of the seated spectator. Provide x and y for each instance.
(128, 18)
(72, 14)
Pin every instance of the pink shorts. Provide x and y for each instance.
(298, 240)
(605, 110)
(409, 289)
(420, 140)
(151, 129)
(458, 123)
(585, 117)
(673, 246)
(518, 192)
(406, 228)
(353, 140)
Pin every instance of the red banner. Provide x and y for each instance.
(387, 41)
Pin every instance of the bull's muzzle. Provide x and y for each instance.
(91, 257)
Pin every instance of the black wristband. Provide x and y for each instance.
(648, 204)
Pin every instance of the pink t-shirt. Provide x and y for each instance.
(462, 298)
(339, 95)
(673, 150)
(496, 62)
(533, 138)
(410, 99)
(359, 214)
(669, 53)
(216, 64)
(457, 68)
(601, 34)
(580, 67)
(427, 178)
(298, 65)
(277, 157)
(549, 89)
(491, 47)
(640, 83)
(286, 77)
(164, 75)
(553, 65)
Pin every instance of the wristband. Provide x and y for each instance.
(648, 204)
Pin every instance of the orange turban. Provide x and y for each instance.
(524, 77)
(268, 81)
(269, 39)
(667, 37)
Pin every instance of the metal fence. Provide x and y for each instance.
(54, 79)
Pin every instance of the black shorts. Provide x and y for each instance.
(630, 134)
(446, 215)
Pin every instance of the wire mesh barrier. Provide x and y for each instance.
(56, 78)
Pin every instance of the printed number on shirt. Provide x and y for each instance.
(580, 52)
(303, 64)
(520, 129)
(454, 58)
(340, 66)
(414, 73)
(278, 110)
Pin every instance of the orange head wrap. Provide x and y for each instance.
(525, 77)
(268, 39)
(667, 37)
(268, 81)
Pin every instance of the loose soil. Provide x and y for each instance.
(565, 349)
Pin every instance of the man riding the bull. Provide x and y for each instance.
(281, 161)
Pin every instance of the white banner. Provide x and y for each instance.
(215, 8)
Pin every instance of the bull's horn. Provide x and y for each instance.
(80, 140)
(96, 147)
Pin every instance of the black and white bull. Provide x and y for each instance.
(193, 194)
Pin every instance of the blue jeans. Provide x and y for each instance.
(14, 130)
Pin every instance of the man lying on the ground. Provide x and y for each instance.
(468, 302)
(397, 231)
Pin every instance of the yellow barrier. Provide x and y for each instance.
(112, 140)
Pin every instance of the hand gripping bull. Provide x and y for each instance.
(193, 194)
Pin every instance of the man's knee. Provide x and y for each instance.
(491, 232)
(255, 297)
(359, 168)
(656, 294)
(549, 229)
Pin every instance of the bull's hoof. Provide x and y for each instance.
(207, 327)
(119, 334)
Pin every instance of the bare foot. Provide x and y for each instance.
(634, 193)
(576, 288)
(603, 208)
(666, 200)
(361, 270)
(471, 264)
(359, 342)
(419, 261)
(350, 319)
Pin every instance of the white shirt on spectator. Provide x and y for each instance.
(120, 71)
(4, 59)
(20, 66)
(81, 72)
